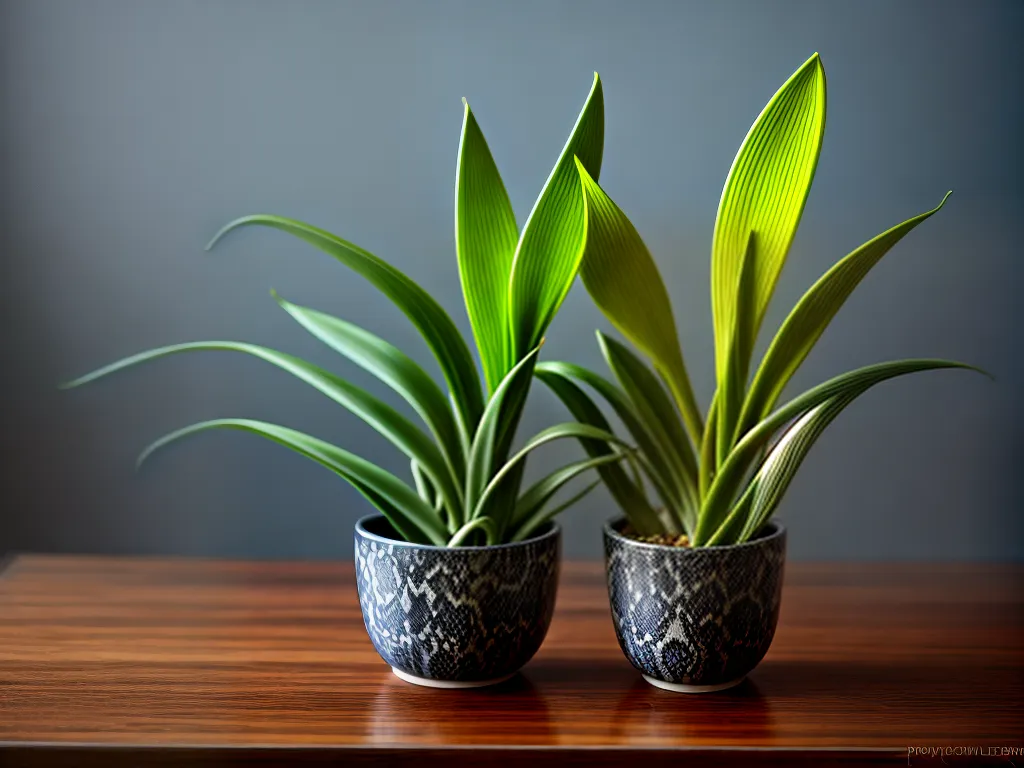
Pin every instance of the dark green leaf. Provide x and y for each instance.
(427, 315)
(411, 517)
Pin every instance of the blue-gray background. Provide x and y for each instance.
(132, 130)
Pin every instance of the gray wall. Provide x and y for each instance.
(131, 130)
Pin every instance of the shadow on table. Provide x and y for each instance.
(618, 705)
(515, 711)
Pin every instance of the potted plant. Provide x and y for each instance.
(695, 578)
(456, 574)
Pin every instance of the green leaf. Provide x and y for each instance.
(854, 383)
(627, 493)
(657, 465)
(482, 453)
(538, 494)
(655, 409)
(394, 368)
(732, 386)
(484, 524)
(624, 282)
(485, 240)
(811, 316)
(561, 431)
(378, 414)
(426, 491)
(765, 193)
(776, 472)
(706, 465)
(551, 244)
(411, 517)
(778, 469)
(543, 515)
(427, 315)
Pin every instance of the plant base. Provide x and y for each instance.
(427, 682)
(685, 688)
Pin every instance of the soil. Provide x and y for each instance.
(665, 539)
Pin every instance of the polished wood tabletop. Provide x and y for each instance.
(144, 661)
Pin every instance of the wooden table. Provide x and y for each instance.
(117, 661)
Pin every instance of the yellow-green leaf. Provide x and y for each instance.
(731, 387)
(624, 282)
(765, 194)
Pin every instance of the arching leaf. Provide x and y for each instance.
(394, 368)
(656, 411)
(627, 492)
(406, 511)
(544, 514)
(427, 315)
(725, 486)
(378, 414)
(811, 316)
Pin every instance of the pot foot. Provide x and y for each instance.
(427, 682)
(687, 688)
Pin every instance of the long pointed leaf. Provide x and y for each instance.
(624, 282)
(407, 512)
(394, 368)
(538, 494)
(784, 460)
(725, 485)
(655, 409)
(543, 515)
(732, 386)
(627, 493)
(561, 431)
(707, 465)
(485, 241)
(427, 315)
(482, 454)
(659, 466)
(551, 245)
(776, 472)
(765, 193)
(378, 414)
(485, 524)
(812, 315)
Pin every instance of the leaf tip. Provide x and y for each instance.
(216, 238)
(141, 458)
(282, 302)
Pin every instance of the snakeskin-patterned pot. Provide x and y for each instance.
(460, 617)
(695, 620)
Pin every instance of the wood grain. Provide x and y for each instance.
(107, 661)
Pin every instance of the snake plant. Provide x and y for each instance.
(720, 476)
(466, 478)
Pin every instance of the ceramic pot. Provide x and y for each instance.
(459, 617)
(695, 620)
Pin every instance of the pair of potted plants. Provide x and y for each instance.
(458, 572)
